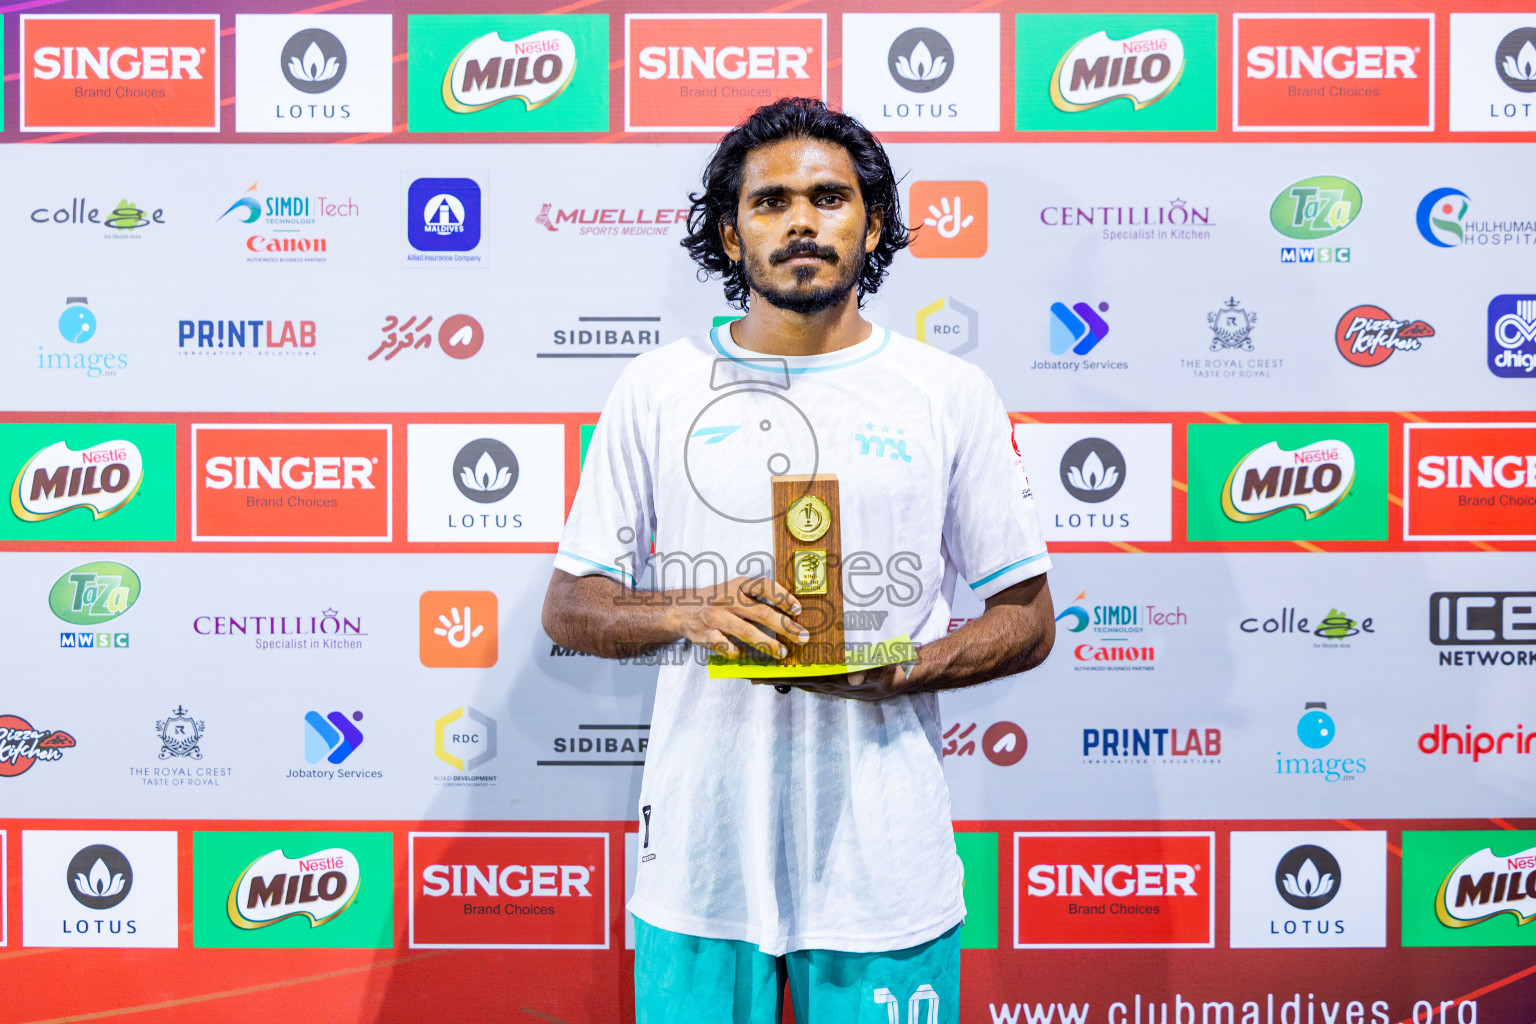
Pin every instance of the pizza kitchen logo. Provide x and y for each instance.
(1269, 479)
(1368, 335)
(22, 746)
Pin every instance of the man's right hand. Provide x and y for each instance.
(747, 611)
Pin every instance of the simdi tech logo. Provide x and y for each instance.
(120, 73)
(1469, 481)
(706, 72)
(1287, 481)
(293, 890)
(1116, 72)
(100, 482)
(508, 73)
(1333, 72)
(323, 482)
(1469, 888)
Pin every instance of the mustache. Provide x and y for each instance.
(806, 248)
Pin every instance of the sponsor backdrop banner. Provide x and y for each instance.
(313, 315)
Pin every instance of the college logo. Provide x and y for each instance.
(277, 890)
(313, 73)
(1469, 888)
(1111, 480)
(102, 478)
(1333, 72)
(1114, 890)
(705, 74)
(1332, 628)
(331, 738)
(99, 889)
(1469, 481)
(22, 746)
(296, 483)
(458, 629)
(1073, 67)
(508, 890)
(954, 219)
(1512, 336)
(486, 482)
(922, 72)
(458, 337)
(501, 73)
(120, 73)
(94, 593)
(1368, 335)
(1308, 889)
(443, 214)
(1483, 619)
(1440, 215)
(1315, 207)
(124, 219)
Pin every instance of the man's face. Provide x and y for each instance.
(801, 229)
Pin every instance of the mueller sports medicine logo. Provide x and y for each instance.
(1483, 619)
(293, 483)
(1113, 890)
(1368, 335)
(102, 478)
(275, 887)
(611, 220)
(1469, 481)
(508, 890)
(1333, 72)
(1269, 479)
(120, 73)
(1142, 69)
(706, 72)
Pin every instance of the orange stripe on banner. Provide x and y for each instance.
(784, 7)
(614, 65)
(1503, 824)
(397, 58)
(615, 137)
(232, 992)
(1123, 546)
(31, 952)
(376, 135)
(1413, 416)
(322, 8)
(226, 101)
(568, 8)
(1483, 545)
(1360, 828)
(1019, 417)
(60, 137)
(1181, 485)
(980, 7)
(1394, 499)
(1488, 988)
(1221, 417)
(834, 62)
(530, 1011)
(1307, 545)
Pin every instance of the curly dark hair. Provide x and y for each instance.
(791, 118)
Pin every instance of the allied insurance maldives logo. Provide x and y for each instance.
(291, 483)
(1333, 72)
(120, 73)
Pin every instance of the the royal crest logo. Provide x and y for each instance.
(1484, 885)
(492, 70)
(275, 887)
(1143, 69)
(1231, 327)
(102, 478)
(180, 734)
(1313, 478)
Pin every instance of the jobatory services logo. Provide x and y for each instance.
(464, 739)
(442, 219)
(1315, 729)
(1074, 332)
(707, 72)
(22, 746)
(459, 336)
(113, 889)
(97, 482)
(1333, 72)
(922, 72)
(265, 482)
(241, 337)
(485, 482)
(120, 73)
(508, 73)
(508, 890)
(293, 228)
(1469, 888)
(331, 738)
(949, 324)
(1469, 481)
(1151, 745)
(292, 890)
(458, 629)
(77, 326)
(1110, 481)
(313, 73)
(1114, 890)
(1287, 481)
(1116, 72)
(950, 219)
(1512, 336)
(1297, 890)
(1493, 72)
(1499, 626)
(1367, 335)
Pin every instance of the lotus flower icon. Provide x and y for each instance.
(101, 883)
(485, 475)
(313, 61)
(1308, 883)
(921, 65)
(314, 66)
(920, 60)
(1521, 66)
(1093, 475)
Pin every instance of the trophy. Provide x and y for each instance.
(808, 562)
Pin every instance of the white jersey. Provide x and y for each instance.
(802, 821)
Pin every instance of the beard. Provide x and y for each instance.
(802, 300)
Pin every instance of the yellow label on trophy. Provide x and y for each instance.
(808, 518)
(809, 567)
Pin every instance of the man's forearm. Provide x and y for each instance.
(1006, 639)
(595, 615)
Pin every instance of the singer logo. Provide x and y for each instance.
(509, 890)
(1333, 72)
(1469, 481)
(269, 482)
(120, 73)
(458, 629)
(1114, 890)
(695, 73)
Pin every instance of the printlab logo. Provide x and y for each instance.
(22, 746)
(950, 325)
(954, 219)
(485, 470)
(1093, 470)
(920, 60)
(331, 738)
(99, 877)
(181, 735)
(1512, 336)
(443, 215)
(458, 629)
(1440, 216)
(1308, 877)
(1151, 745)
(1368, 335)
(464, 739)
(459, 336)
(313, 61)
(259, 337)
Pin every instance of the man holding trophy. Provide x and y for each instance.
(789, 499)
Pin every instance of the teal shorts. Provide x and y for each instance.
(685, 979)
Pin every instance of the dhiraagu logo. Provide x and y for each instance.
(293, 890)
(1315, 207)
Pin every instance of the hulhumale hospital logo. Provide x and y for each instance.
(1440, 216)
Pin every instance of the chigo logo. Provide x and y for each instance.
(1142, 69)
(102, 478)
(276, 887)
(491, 70)
(1313, 478)
(1483, 886)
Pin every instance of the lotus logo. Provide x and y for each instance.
(1307, 877)
(920, 60)
(485, 471)
(1093, 470)
(313, 60)
(1515, 60)
(99, 877)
